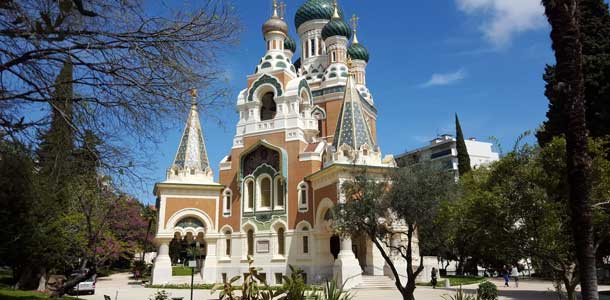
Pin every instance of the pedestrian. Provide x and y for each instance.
(514, 273)
(434, 279)
(506, 274)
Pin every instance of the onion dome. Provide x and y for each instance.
(314, 10)
(290, 44)
(336, 27)
(357, 51)
(275, 24)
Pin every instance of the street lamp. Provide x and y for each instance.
(193, 263)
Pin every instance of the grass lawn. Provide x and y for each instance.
(181, 271)
(457, 281)
(25, 295)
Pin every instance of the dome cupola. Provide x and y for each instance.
(290, 44)
(314, 10)
(357, 51)
(336, 26)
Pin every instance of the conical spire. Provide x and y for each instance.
(192, 154)
(352, 128)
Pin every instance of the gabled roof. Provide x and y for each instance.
(352, 128)
(192, 153)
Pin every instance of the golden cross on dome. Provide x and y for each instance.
(282, 10)
(275, 8)
(354, 21)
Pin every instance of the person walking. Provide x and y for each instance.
(434, 279)
(506, 275)
(514, 273)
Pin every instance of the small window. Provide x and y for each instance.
(227, 202)
(312, 44)
(265, 188)
(279, 278)
(306, 244)
(224, 277)
(264, 277)
(250, 242)
(303, 196)
(281, 242)
(334, 56)
(228, 243)
(249, 194)
(279, 192)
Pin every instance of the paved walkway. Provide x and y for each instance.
(131, 290)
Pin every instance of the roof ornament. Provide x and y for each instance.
(282, 10)
(354, 21)
(275, 6)
(336, 12)
(194, 95)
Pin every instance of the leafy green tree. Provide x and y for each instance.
(595, 33)
(395, 217)
(462, 151)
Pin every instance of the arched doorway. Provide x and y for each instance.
(188, 243)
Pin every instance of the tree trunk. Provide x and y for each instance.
(42, 282)
(563, 15)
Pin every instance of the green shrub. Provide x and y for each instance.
(160, 295)
(294, 285)
(332, 291)
(461, 295)
(488, 291)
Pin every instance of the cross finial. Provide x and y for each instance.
(282, 10)
(354, 21)
(194, 96)
(336, 12)
(275, 8)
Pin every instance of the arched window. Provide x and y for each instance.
(281, 242)
(279, 192)
(227, 202)
(228, 243)
(249, 194)
(305, 240)
(303, 196)
(268, 107)
(265, 190)
(250, 242)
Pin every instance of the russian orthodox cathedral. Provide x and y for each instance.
(304, 125)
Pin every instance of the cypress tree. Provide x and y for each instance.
(462, 151)
(595, 30)
(57, 144)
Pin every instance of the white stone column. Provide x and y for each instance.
(347, 269)
(375, 262)
(399, 262)
(162, 268)
(210, 264)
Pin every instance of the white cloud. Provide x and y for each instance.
(505, 18)
(438, 79)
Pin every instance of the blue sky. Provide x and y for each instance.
(483, 59)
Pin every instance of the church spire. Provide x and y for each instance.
(192, 155)
(354, 21)
(352, 128)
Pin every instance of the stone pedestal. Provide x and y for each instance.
(210, 264)
(162, 269)
(347, 269)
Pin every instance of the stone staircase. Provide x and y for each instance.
(376, 282)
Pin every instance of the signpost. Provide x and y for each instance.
(193, 264)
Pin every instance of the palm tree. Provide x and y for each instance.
(564, 16)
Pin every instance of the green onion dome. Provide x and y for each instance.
(290, 44)
(336, 27)
(315, 10)
(357, 51)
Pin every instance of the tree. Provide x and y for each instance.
(394, 216)
(462, 151)
(595, 32)
(132, 68)
(564, 17)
